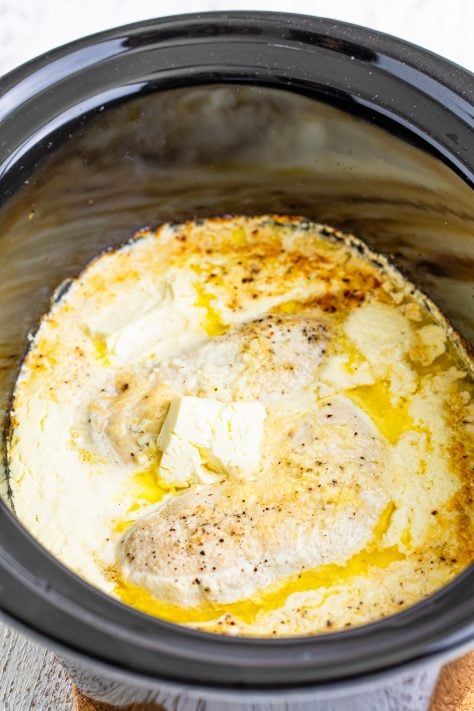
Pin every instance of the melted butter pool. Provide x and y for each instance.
(375, 401)
(147, 489)
(276, 595)
(212, 319)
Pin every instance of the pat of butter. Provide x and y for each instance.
(158, 328)
(379, 331)
(202, 439)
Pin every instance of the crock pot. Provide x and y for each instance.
(208, 114)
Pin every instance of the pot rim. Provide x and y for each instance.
(292, 694)
(41, 594)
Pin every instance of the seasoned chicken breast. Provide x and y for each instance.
(226, 541)
(250, 426)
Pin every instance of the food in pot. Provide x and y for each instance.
(251, 426)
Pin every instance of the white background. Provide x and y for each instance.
(30, 27)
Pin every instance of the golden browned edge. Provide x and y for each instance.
(357, 244)
(454, 691)
(464, 348)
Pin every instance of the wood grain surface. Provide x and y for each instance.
(30, 676)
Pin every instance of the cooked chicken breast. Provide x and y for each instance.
(317, 499)
(252, 426)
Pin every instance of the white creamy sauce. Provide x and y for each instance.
(246, 426)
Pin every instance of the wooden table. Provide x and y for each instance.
(30, 676)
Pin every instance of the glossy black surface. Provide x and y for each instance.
(310, 117)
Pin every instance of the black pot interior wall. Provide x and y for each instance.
(204, 150)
